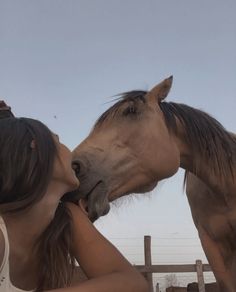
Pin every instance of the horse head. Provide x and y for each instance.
(120, 155)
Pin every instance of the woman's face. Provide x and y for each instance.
(63, 170)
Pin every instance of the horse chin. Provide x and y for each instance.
(97, 202)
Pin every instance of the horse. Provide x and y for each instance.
(142, 139)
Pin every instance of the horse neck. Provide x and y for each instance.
(206, 148)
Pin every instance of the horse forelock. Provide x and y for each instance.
(126, 97)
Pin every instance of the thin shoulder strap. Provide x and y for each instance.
(5, 236)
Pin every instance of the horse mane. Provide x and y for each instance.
(203, 133)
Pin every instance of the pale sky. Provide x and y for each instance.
(60, 61)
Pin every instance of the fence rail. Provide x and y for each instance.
(190, 268)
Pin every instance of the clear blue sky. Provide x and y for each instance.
(60, 61)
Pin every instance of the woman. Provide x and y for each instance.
(40, 235)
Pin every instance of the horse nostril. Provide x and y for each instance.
(76, 167)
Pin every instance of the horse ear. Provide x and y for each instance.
(5, 111)
(161, 90)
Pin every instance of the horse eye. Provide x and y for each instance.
(130, 110)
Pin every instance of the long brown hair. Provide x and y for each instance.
(25, 172)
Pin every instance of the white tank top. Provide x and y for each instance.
(5, 282)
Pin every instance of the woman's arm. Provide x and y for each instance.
(115, 282)
(100, 260)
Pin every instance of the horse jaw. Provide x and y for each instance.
(98, 205)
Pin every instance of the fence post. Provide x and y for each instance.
(200, 277)
(148, 260)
